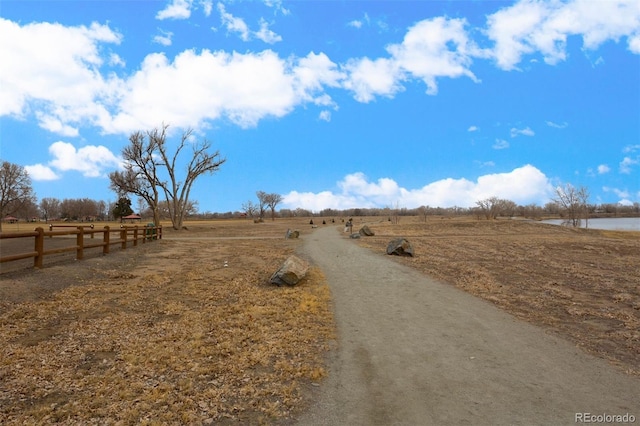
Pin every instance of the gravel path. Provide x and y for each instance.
(413, 351)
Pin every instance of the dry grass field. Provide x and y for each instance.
(164, 333)
(581, 284)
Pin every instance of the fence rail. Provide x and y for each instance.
(125, 235)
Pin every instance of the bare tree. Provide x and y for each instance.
(573, 202)
(493, 207)
(102, 209)
(15, 189)
(249, 208)
(150, 169)
(28, 210)
(176, 191)
(262, 203)
(50, 208)
(272, 201)
(140, 175)
(423, 211)
(395, 216)
(489, 207)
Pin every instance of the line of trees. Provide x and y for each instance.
(569, 202)
(150, 172)
(265, 200)
(86, 209)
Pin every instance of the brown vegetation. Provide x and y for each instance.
(164, 333)
(582, 284)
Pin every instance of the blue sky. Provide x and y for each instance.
(333, 104)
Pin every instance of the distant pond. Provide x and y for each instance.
(612, 224)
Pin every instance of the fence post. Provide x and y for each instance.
(39, 247)
(105, 240)
(123, 237)
(80, 243)
(135, 236)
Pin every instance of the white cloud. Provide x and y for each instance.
(207, 7)
(500, 144)
(58, 68)
(603, 168)
(631, 148)
(193, 88)
(38, 172)
(90, 160)
(234, 24)
(627, 164)
(524, 132)
(358, 23)
(277, 4)
(54, 125)
(325, 115)
(243, 88)
(370, 78)
(380, 24)
(431, 49)
(623, 194)
(634, 43)
(164, 38)
(434, 48)
(523, 185)
(176, 9)
(473, 129)
(312, 73)
(265, 34)
(557, 125)
(116, 60)
(531, 26)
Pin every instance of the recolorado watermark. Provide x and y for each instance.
(604, 418)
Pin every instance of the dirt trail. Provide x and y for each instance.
(413, 351)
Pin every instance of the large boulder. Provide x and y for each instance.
(365, 231)
(292, 271)
(400, 247)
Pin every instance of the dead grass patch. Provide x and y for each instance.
(582, 284)
(175, 338)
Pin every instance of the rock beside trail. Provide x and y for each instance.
(365, 231)
(400, 247)
(354, 236)
(292, 271)
(292, 234)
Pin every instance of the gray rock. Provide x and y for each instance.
(400, 247)
(292, 271)
(354, 236)
(292, 234)
(365, 231)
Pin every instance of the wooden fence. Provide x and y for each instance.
(125, 235)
